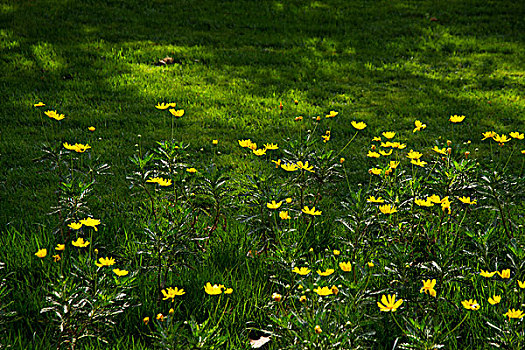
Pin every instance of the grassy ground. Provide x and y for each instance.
(384, 62)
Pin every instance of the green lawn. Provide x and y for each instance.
(386, 63)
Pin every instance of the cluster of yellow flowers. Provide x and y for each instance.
(253, 146)
(77, 147)
(502, 139)
(90, 222)
(80, 243)
(171, 108)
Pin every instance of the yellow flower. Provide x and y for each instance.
(69, 147)
(335, 290)
(228, 291)
(172, 311)
(75, 225)
(419, 126)
(434, 198)
(488, 135)
(41, 253)
(177, 113)
(336, 252)
(383, 153)
(521, 284)
(332, 114)
(514, 314)
(523, 151)
(423, 203)
(456, 118)
(372, 154)
(105, 262)
(305, 166)
(277, 297)
(60, 247)
(389, 134)
(54, 115)
(318, 329)
(487, 274)
(191, 170)
(342, 160)
(245, 143)
(345, 266)
(214, 142)
(470, 304)
(370, 264)
(277, 163)
(328, 272)
(445, 204)
(414, 155)
(284, 215)
(270, 146)
(393, 164)
(358, 125)
(312, 211)
(288, 200)
(120, 272)
(428, 287)
(418, 162)
(388, 209)
(80, 148)
(259, 152)
(375, 171)
(494, 300)
(501, 139)
(442, 151)
(145, 320)
(160, 317)
(299, 118)
(373, 199)
(376, 138)
(517, 135)
(39, 104)
(56, 258)
(303, 271)
(467, 200)
(389, 303)
(90, 222)
(302, 299)
(213, 290)
(399, 145)
(504, 273)
(326, 138)
(171, 293)
(323, 291)
(274, 205)
(163, 105)
(160, 181)
(80, 243)
(91, 128)
(289, 167)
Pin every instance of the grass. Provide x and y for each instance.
(386, 63)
